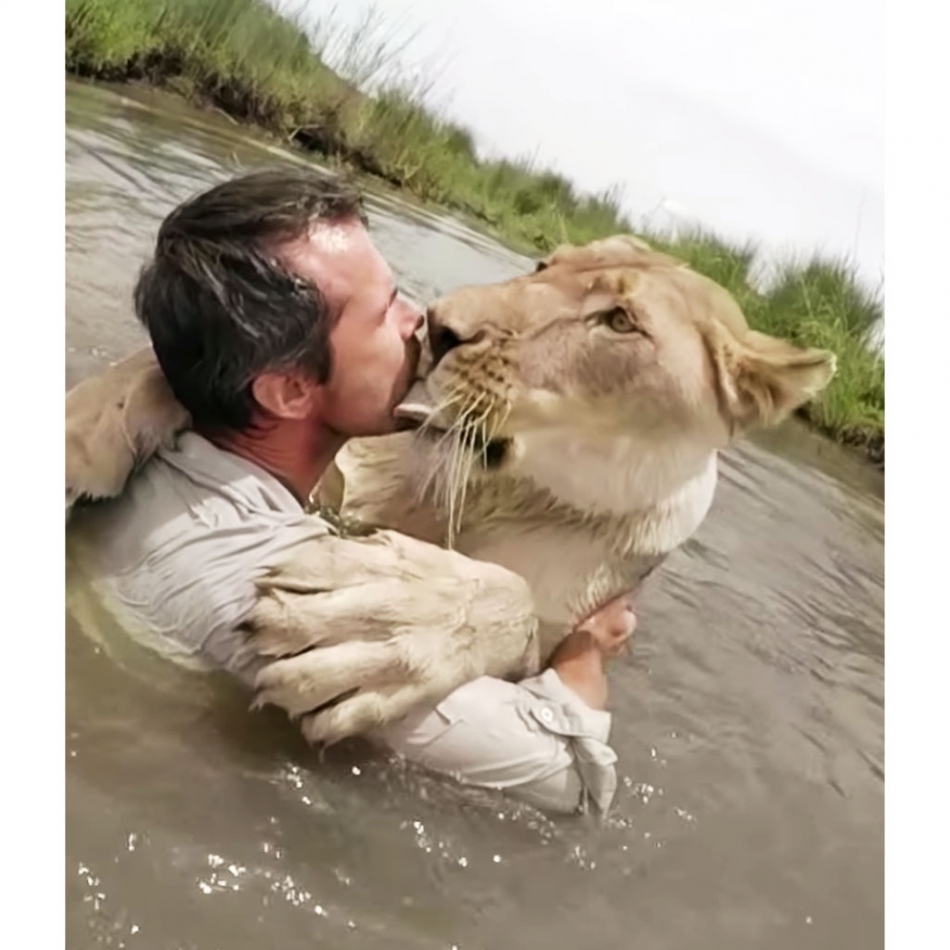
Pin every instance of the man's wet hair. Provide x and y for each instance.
(219, 306)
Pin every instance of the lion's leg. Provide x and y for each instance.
(116, 421)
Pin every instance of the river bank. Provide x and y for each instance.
(266, 68)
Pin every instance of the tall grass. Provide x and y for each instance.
(342, 92)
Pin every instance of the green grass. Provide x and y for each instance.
(821, 304)
(266, 67)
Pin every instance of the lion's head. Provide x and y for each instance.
(612, 341)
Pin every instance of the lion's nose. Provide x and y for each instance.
(442, 338)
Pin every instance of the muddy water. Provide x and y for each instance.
(748, 718)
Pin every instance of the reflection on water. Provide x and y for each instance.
(748, 719)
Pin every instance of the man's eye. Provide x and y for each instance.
(618, 320)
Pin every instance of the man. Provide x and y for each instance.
(278, 326)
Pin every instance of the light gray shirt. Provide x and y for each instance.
(175, 561)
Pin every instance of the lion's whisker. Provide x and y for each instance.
(458, 448)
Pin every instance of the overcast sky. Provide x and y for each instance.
(759, 118)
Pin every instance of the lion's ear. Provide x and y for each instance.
(762, 379)
(617, 251)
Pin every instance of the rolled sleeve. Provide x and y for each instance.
(564, 713)
(536, 739)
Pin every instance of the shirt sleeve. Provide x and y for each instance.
(536, 739)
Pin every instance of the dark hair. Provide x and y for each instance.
(220, 309)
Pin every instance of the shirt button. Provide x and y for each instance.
(547, 715)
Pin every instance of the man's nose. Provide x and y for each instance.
(413, 317)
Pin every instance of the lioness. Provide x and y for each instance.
(567, 429)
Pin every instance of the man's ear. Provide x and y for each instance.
(285, 395)
(762, 380)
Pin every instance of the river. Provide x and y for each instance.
(748, 717)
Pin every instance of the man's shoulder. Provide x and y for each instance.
(180, 550)
(193, 499)
(171, 500)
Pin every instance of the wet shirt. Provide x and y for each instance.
(175, 560)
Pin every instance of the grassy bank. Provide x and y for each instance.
(264, 67)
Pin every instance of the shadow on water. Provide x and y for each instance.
(748, 719)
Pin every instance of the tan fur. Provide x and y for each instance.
(115, 422)
(610, 463)
(428, 620)
(613, 436)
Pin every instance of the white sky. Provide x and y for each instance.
(758, 118)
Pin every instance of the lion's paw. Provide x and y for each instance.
(359, 631)
(350, 688)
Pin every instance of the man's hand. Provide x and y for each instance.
(612, 625)
(580, 659)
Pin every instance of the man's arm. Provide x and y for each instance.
(543, 740)
(580, 658)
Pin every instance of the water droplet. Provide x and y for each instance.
(356, 770)
(496, 858)
(134, 929)
(463, 862)
(319, 911)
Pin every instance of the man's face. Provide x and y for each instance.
(375, 351)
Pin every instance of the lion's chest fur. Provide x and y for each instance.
(570, 572)
(619, 519)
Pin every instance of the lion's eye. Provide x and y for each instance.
(618, 320)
